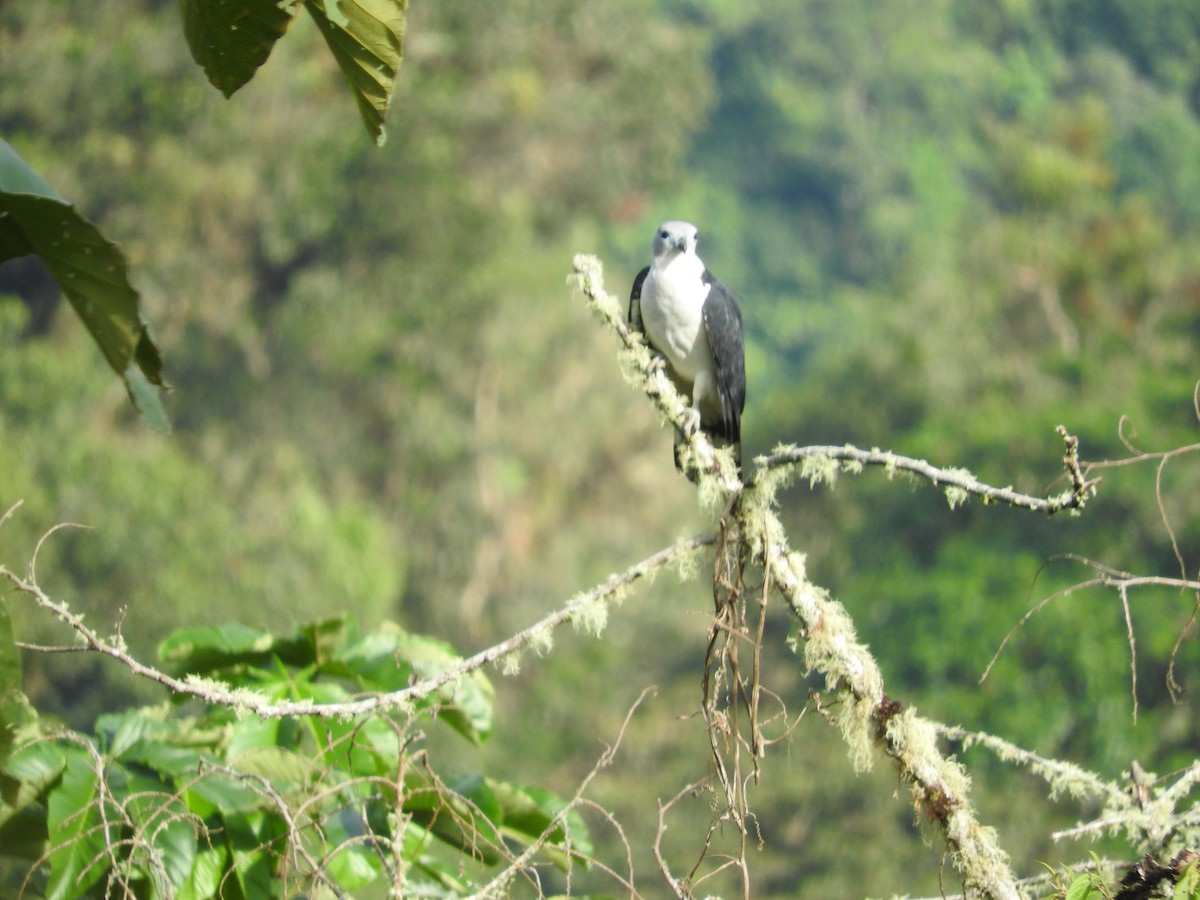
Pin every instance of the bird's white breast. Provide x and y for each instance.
(673, 298)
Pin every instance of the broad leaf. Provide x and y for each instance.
(230, 39)
(92, 273)
(205, 878)
(77, 832)
(367, 40)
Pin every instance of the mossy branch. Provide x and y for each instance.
(582, 609)
(938, 785)
(818, 463)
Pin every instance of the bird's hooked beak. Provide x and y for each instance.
(680, 243)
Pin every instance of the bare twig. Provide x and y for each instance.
(498, 886)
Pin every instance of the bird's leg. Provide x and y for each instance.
(691, 419)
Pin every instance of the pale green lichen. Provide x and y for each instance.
(592, 617)
(510, 663)
(956, 496)
(819, 469)
(686, 561)
(542, 641)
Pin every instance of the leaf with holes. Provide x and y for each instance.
(230, 39)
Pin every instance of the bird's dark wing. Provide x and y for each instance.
(635, 301)
(723, 325)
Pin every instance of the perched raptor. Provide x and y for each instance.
(694, 322)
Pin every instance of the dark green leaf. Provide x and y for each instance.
(23, 831)
(90, 270)
(230, 39)
(248, 838)
(77, 832)
(204, 648)
(313, 644)
(367, 40)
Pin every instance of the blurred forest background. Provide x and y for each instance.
(952, 226)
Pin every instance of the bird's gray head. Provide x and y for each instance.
(674, 237)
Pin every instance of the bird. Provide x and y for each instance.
(694, 323)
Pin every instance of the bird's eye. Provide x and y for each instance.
(663, 235)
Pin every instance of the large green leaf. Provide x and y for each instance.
(230, 39)
(77, 832)
(367, 40)
(92, 273)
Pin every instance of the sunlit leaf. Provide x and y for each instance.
(92, 273)
(230, 39)
(367, 40)
(276, 764)
(204, 880)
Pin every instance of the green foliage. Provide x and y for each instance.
(230, 39)
(366, 39)
(952, 226)
(209, 803)
(90, 270)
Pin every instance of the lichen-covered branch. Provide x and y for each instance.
(822, 462)
(587, 609)
(939, 786)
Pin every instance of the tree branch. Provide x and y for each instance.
(938, 785)
(584, 609)
(815, 464)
